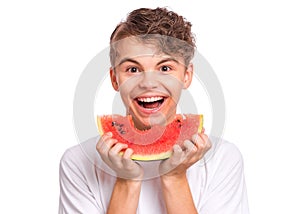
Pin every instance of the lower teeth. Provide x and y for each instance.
(151, 105)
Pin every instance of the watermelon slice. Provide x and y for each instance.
(155, 143)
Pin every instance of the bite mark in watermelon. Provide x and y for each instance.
(153, 144)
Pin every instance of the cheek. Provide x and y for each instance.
(176, 96)
(172, 83)
(125, 84)
(125, 91)
(176, 77)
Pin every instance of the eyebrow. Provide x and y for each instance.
(127, 59)
(167, 60)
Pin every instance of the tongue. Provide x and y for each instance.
(151, 105)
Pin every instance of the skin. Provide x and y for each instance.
(141, 71)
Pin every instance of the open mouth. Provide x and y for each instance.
(150, 102)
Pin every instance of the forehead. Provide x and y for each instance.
(135, 48)
(132, 47)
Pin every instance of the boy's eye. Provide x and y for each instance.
(133, 69)
(165, 68)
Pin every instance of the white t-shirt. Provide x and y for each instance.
(216, 182)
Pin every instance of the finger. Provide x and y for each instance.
(206, 142)
(196, 139)
(203, 130)
(189, 146)
(172, 162)
(176, 157)
(127, 162)
(177, 152)
(106, 136)
(117, 148)
(201, 141)
(200, 145)
(105, 144)
(203, 145)
(104, 148)
(191, 153)
(114, 155)
(127, 154)
(102, 139)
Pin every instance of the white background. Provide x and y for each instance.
(253, 47)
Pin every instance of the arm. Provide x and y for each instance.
(125, 196)
(175, 187)
(126, 192)
(177, 195)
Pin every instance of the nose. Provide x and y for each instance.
(149, 80)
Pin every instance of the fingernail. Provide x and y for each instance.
(195, 138)
(176, 148)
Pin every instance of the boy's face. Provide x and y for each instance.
(149, 82)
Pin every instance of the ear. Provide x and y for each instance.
(113, 79)
(188, 76)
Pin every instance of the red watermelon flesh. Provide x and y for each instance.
(155, 143)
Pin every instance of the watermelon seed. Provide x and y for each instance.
(113, 123)
(123, 132)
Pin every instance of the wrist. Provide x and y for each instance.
(177, 194)
(128, 182)
(130, 187)
(176, 179)
(125, 196)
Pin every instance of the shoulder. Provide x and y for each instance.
(79, 186)
(223, 150)
(223, 159)
(81, 155)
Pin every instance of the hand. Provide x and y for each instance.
(109, 150)
(184, 157)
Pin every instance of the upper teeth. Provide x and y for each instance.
(149, 99)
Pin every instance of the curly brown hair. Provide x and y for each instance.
(169, 31)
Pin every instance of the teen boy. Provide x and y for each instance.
(151, 56)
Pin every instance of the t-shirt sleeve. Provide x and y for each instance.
(75, 195)
(226, 192)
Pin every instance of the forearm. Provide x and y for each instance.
(125, 197)
(177, 195)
